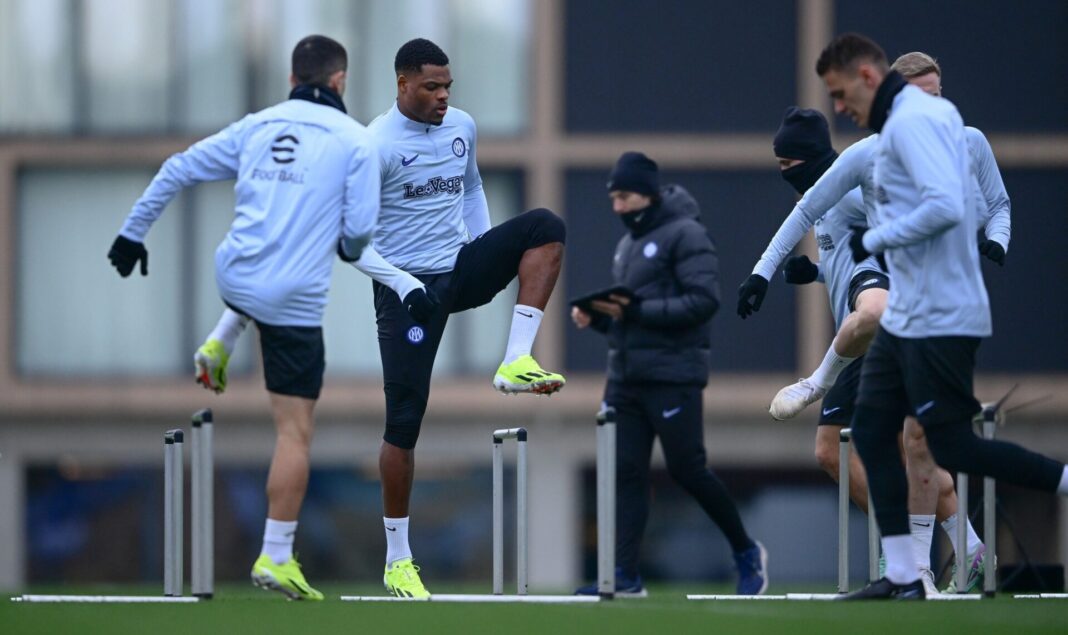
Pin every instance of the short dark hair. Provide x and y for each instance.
(414, 54)
(848, 49)
(316, 58)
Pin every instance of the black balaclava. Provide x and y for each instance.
(804, 135)
(635, 172)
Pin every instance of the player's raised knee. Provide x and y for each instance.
(545, 227)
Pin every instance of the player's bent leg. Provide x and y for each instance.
(923, 497)
(827, 458)
(859, 327)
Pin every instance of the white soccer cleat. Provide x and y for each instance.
(790, 401)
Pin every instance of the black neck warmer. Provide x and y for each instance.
(892, 84)
(638, 222)
(803, 176)
(319, 95)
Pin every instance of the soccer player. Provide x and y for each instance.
(658, 362)
(804, 152)
(931, 490)
(435, 253)
(922, 359)
(307, 187)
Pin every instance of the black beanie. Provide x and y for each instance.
(635, 172)
(803, 135)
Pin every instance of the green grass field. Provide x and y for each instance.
(241, 609)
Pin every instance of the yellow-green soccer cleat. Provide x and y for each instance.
(286, 578)
(524, 375)
(402, 580)
(210, 365)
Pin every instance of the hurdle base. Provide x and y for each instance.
(479, 598)
(106, 599)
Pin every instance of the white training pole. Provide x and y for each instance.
(606, 503)
(203, 468)
(843, 510)
(990, 506)
(521, 512)
(874, 547)
(962, 532)
(498, 517)
(173, 473)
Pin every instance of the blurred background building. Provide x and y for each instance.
(95, 94)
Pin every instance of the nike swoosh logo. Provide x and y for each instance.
(831, 411)
(292, 533)
(407, 162)
(922, 524)
(391, 529)
(671, 413)
(925, 407)
(529, 315)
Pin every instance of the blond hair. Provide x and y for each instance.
(916, 64)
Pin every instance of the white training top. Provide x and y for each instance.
(432, 198)
(924, 221)
(306, 178)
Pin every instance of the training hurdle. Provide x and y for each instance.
(202, 529)
(606, 521)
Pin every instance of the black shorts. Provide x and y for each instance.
(929, 378)
(863, 281)
(293, 359)
(484, 267)
(841, 400)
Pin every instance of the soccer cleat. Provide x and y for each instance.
(790, 401)
(929, 586)
(626, 586)
(752, 570)
(524, 375)
(884, 589)
(210, 365)
(402, 580)
(286, 578)
(975, 572)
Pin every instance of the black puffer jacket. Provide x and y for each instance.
(670, 263)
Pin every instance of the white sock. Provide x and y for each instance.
(278, 540)
(525, 323)
(1062, 489)
(831, 366)
(396, 539)
(950, 526)
(921, 526)
(230, 326)
(900, 563)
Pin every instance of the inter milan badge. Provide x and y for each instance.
(415, 334)
(649, 250)
(459, 148)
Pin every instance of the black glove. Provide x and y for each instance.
(800, 270)
(125, 253)
(421, 304)
(754, 287)
(993, 250)
(856, 243)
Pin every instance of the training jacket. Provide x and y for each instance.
(671, 265)
(306, 178)
(432, 198)
(922, 177)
